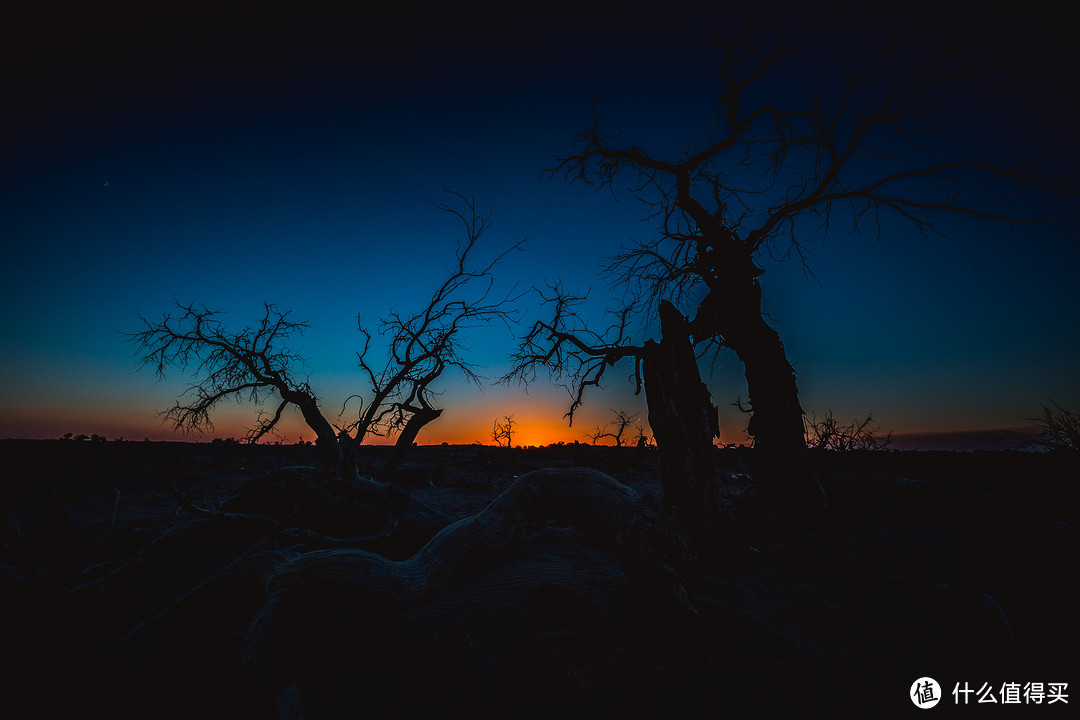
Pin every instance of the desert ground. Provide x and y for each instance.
(131, 571)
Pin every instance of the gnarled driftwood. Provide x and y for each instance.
(318, 593)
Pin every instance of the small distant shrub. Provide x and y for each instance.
(503, 431)
(615, 429)
(830, 434)
(1058, 429)
(81, 436)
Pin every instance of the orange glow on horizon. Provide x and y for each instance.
(538, 420)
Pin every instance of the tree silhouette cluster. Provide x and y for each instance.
(771, 173)
(255, 364)
(769, 176)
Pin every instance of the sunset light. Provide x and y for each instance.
(552, 360)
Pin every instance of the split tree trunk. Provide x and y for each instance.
(732, 311)
(684, 423)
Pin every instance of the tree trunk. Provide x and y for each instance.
(331, 452)
(732, 311)
(684, 423)
(420, 418)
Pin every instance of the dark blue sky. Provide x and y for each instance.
(236, 156)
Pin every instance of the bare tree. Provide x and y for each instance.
(681, 413)
(766, 179)
(255, 364)
(572, 353)
(503, 430)
(615, 429)
(828, 433)
(425, 344)
(1058, 429)
(252, 365)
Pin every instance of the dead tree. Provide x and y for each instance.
(681, 414)
(771, 175)
(425, 344)
(828, 433)
(1058, 431)
(254, 364)
(684, 423)
(615, 429)
(503, 430)
(573, 354)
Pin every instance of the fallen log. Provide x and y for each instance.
(381, 516)
(315, 596)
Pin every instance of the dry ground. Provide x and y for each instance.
(957, 566)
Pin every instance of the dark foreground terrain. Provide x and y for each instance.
(126, 589)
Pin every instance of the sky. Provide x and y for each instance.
(235, 155)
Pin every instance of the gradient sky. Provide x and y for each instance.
(234, 157)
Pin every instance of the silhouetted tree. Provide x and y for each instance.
(254, 364)
(425, 344)
(681, 414)
(1058, 429)
(767, 177)
(503, 430)
(615, 429)
(828, 433)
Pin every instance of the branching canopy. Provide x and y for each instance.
(1058, 430)
(422, 345)
(768, 177)
(828, 433)
(864, 150)
(503, 430)
(616, 428)
(248, 365)
(575, 356)
(255, 363)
